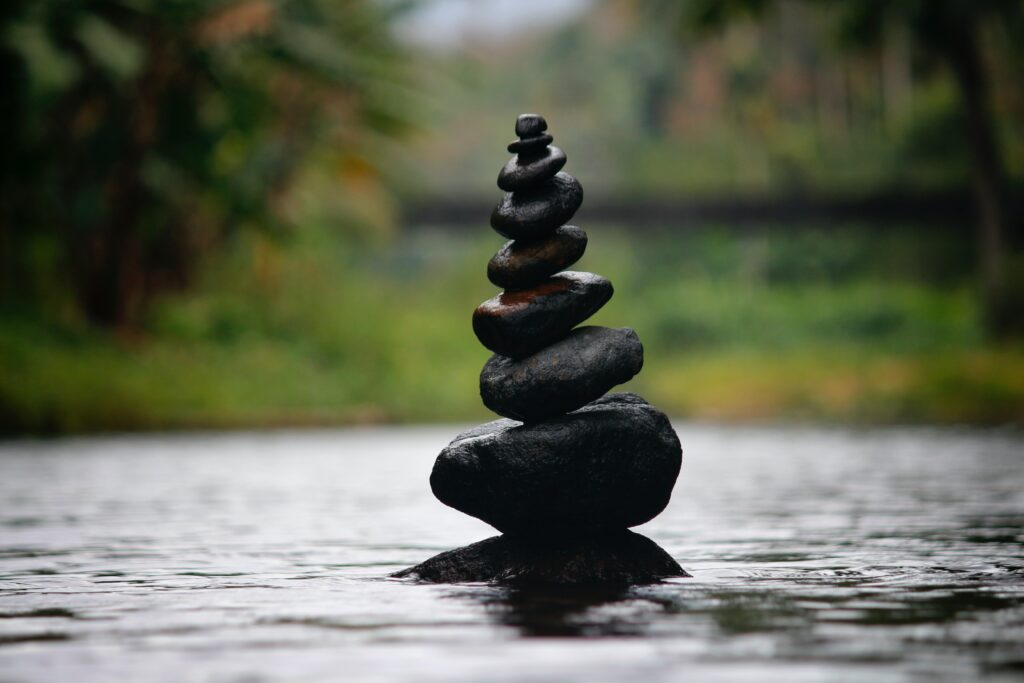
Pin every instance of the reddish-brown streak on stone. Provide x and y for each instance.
(521, 322)
(524, 297)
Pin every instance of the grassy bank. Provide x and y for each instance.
(857, 326)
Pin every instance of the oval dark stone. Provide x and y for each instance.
(536, 143)
(610, 465)
(520, 174)
(530, 125)
(562, 377)
(531, 214)
(520, 323)
(624, 558)
(518, 265)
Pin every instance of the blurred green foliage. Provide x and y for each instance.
(644, 104)
(871, 326)
(249, 149)
(140, 133)
(953, 34)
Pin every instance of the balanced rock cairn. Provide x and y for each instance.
(566, 474)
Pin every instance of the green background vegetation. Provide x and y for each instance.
(862, 327)
(204, 214)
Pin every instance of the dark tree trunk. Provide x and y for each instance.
(114, 269)
(963, 54)
(110, 282)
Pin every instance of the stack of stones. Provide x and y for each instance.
(567, 472)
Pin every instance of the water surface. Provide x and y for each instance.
(817, 555)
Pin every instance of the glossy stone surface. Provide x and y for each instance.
(623, 558)
(530, 125)
(519, 323)
(608, 466)
(532, 214)
(519, 265)
(562, 377)
(531, 144)
(521, 174)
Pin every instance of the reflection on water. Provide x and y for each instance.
(567, 612)
(817, 555)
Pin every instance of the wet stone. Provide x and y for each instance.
(532, 214)
(531, 144)
(605, 467)
(530, 125)
(521, 174)
(562, 377)
(519, 265)
(520, 323)
(623, 558)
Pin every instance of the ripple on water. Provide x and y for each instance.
(817, 555)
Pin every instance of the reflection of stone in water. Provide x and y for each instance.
(602, 611)
(740, 613)
(549, 611)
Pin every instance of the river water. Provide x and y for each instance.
(817, 555)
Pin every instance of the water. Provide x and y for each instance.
(817, 555)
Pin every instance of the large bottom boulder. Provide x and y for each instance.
(624, 558)
(608, 466)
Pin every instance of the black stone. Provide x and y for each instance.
(520, 323)
(528, 145)
(530, 125)
(605, 467)
(519, 265)
(562, 377)
(533, 214)
(622, 558)
(521, 174)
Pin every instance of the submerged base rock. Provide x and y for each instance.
(605, 467)
(620, 558)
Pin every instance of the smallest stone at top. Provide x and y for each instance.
(530, 125)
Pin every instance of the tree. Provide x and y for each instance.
(949, 31)
(139, 133)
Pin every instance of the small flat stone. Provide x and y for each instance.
(518, 265)
(520, 173)
(532, 214)
(562, 377)
(530, 125)
(624, 559)
(537, 142)
(520, 323)
(605, 467)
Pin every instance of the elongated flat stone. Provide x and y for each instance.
(530, 144)
(532, 214)
(519, 323)
(518, 265)
(521, 174)
(562, 377)
(607, 466)
(624, 558)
